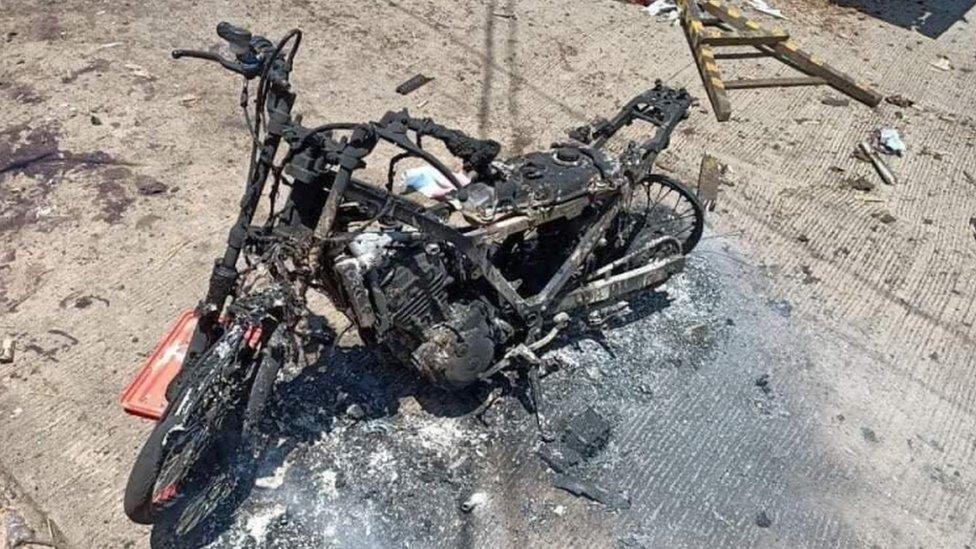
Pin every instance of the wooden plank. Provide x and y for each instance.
(813, 65)
(705, 59)
(790, 53)
(774, 83)
(714, 37)
(743, 55)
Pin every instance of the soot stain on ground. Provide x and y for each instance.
(21, 93)
(35, 152)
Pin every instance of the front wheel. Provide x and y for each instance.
(202, 427)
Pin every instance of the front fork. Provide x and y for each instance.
(223, 278)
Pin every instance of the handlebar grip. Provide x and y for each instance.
(237, 36)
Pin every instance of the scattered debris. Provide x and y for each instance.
(782, 307)
(889, 141)
(808, 277)
(504, 15)
(764, 7)
(666, 8)
(273, 481)
(763, 520)
(138, 71)
(95, 121)
(899, 101)
(587, 433)
(477, 499)
(860, 183)
(969, 177)
(355, 412)
(884, 217)
(188, 100)
(7, 349)
(972, 225)
(942, 64)
(712, 174)
(869, 435)
(763, 383)
(430, 182)
(591, 491)
(883, 170)
(936, 154)
(584, 435)
(834, 101)
(411, 85)
(148, 186)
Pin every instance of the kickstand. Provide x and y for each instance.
(538, 403)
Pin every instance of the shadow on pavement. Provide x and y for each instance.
(929, 17)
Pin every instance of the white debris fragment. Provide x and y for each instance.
(890, 141)
(764, 7)
(662, 7)
(275, 480)
(477, 499)
(7, 349)
(257, 524)
(559, 510)
(942, 64)
(326, 482)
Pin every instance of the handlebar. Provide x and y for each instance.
(247, 48)
(236, 36)
(232, 66)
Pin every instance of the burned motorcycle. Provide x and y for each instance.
(460, 285)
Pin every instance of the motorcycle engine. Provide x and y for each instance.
(405, 300)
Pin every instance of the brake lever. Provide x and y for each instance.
(232, 66)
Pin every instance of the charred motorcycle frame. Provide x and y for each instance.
(458, 288)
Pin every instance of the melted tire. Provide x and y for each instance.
(209, 426)
(138, 499)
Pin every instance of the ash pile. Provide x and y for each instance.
(366, 455)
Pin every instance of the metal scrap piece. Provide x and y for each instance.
(883, 170)
(591, 491)
(413, 84)
(710, 176)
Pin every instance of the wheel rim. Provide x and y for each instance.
(668, 209)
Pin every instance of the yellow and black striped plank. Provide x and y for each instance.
(705, 59)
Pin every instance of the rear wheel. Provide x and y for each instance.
(662, 207)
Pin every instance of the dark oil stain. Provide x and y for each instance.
(22, 93)
(46, 28)
(35, 152)
(113, 200)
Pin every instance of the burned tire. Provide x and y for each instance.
(665, 207)
(160, 468)
(138, 499)
(202, 426)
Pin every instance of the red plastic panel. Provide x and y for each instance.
(146, 395)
